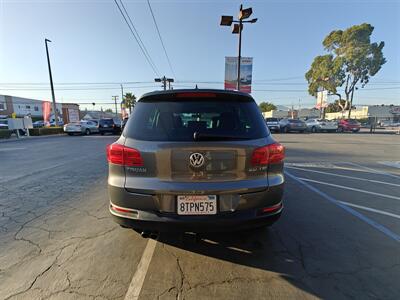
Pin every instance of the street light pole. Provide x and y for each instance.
(51, 85)
(237, 29)
(240, 50)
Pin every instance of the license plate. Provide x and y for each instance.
(105, 125)
(197, 205)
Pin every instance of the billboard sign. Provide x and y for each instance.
(73, 115)
(322, 99)
(246, 70)
(46, 111)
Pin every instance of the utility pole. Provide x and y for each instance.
(51, 85)
(122, 92)
(115, 98)
(164, 81)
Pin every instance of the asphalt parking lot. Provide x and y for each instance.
(339, 236)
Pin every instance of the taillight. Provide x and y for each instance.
(121, 155)
(273, 153)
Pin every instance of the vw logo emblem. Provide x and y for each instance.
(196, 160)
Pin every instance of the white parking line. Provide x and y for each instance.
(329, 166)
(371, 209)
(350, 188)
(344, 176)
(394, 164)
(12, 149)
(355, 213)
(372, 170)
(135, 287)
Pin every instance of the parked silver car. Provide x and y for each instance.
(81, 127)
(289, 125)
(319, 125)
(195, 160)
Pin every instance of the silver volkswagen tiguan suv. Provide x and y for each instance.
(195, 160)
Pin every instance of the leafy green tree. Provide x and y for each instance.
(336, 106)
(109, 110)
(130, 101)
(351, 62)
(266, 106)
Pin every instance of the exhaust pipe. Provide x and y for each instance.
(154, 235)
(149, 234)
(145, 234)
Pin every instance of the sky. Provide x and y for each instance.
(92, 50)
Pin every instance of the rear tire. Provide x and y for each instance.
(87, 132)
(340, 129)
(70, 133)
(102, 133)
(313, 129)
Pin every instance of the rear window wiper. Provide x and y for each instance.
(199, 136)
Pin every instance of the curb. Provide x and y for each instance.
(14, 139)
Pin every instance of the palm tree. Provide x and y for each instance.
(130, 101)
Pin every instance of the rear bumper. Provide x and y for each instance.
(236, 211)
(297, 128)
(109, 129)
(224, 222)
(72, 131)
(351, 128)
(274, 127)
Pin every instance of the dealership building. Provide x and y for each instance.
(376, 112)
(9, 105)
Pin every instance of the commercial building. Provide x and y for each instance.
(376, 112)
(98, 114)
(21, 107)
(304, 113)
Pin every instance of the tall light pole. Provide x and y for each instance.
(237, 29)
(51, 84)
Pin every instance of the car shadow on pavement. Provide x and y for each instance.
(262, 249)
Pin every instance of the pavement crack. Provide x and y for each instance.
(168, 290)
(33, 282)
(183, 279)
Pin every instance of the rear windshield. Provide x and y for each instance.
(295, 121)
(179, 120)
(350, 121)
(271, 119)
(107, 121)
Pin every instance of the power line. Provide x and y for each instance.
(137, 34)
(161, 40)
(142, 48)
(72, 89)
(76, 83)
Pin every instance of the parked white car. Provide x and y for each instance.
(319, 125)
(81, 127)
(389, 123)
(273, 124)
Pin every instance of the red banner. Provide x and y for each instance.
(46, 108)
